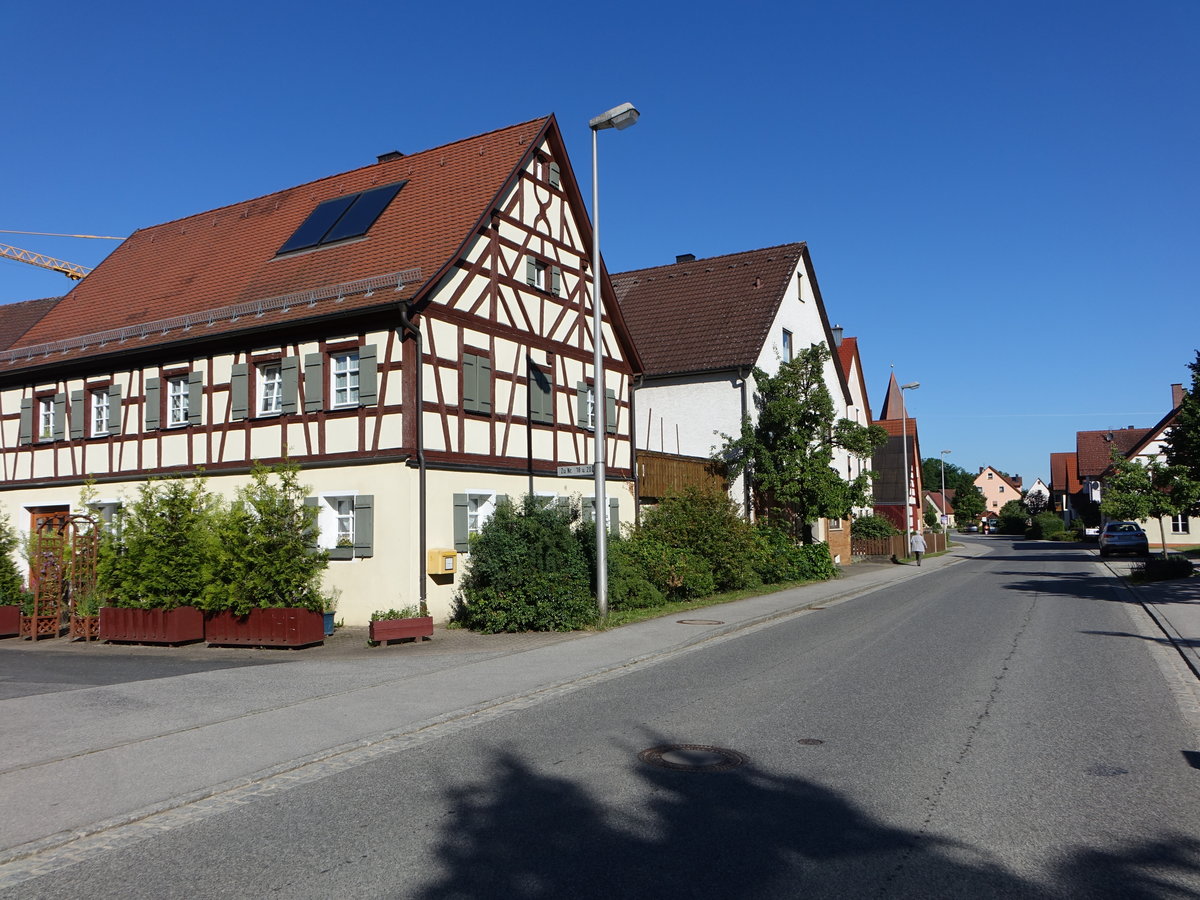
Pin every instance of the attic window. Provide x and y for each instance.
(341, 218)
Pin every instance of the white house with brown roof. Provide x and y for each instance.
(701, 326)
(415, 334)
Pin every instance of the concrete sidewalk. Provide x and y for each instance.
(1174, 605)
(101, 762)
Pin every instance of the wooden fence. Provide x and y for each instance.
(660, 474)
(896, 545)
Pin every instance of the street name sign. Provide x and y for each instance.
(573, 471)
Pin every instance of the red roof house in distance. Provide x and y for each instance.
(898, 488)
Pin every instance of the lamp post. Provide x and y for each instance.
(945, 515)
(911, 386)
(620, 118)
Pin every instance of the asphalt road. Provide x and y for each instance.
(1005, 727)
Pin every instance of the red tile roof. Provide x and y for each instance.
(941, 502)
(1064, 473)
(18, 318)
(226, 256)
(847, 353)
(706, 314)
(1093, 448)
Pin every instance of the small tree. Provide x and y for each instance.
(969, 503)
(12, 586)
(1034, 502)
(787, 454)
(164, 555)
(1182, 445)
(266, 554)
(1012, 517)
(872, 526)
(705, 524)
(1151, 490)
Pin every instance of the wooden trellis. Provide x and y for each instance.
(62, 564)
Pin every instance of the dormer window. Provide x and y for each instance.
(341, 218)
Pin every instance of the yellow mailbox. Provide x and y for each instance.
(442, 562)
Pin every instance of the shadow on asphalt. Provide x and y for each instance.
(742, 833)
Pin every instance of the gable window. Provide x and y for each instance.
(544, 170)
(345, 379)
(177, 401)
(345, 524)
(543, 276)
(1002, 489)
(1179, 525)
(787, 346)
(270, 389)
(476, 383)
(341, 218)
(46, 419)
(989, 476)
(585, 413)
(101, 408)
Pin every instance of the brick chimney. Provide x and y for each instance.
(1176, 395)
(685, 257)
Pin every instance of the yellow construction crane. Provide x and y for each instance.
(74, 271)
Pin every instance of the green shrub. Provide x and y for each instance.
(12, 586)
(674, 572)
(527, 572)
(706, 525)
(1155, 568)
(781, 559)
(628, 586)
(265, 555)
(165, 555)
(1044, 524)
(872, 526)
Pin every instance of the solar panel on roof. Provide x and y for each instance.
(361, 215)
(342, 218)
(313, 229)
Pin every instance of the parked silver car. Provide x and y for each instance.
(1123, 537)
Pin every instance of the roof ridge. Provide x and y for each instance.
(705, 259)
(295, 187)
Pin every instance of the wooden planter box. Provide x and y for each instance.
(182, 625)
(85, 628)
(38, 627)
(285, 627)
(385, 630)
(10, 620)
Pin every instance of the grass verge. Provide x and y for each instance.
(617, 618)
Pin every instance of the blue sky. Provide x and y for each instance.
(1001, 200)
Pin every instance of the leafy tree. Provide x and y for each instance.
(1035, 502)
(1150, 490)
(12, 586)
(931, 474)
(787, 454)
(1012, 517)
(969, 503)
(705, 524)
(1182, 446)
(265, 555)
(872, 526)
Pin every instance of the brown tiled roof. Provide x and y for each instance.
(893, 402)
(941, 502)
(18, 318)
(707, 314)
(1093, 448)
(898, 426)
(847, 353)
(226, 256)
(1064, 473)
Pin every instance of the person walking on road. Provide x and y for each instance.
(917, 545)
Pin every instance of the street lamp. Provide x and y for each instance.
(945, 515)
(911, 386)
(620, 118)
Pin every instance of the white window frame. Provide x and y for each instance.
(1180, 525)
(786, 352)
(481, 506)
(344, 366)
(332, 510)
(177, 401)
(270, 389)
(101, 408)
(45, 418)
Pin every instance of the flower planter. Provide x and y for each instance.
(182, 625)
(385, 630)
(285, 627)
(38, 627)
(85, 628)
(10, 620)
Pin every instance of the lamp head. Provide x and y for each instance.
(619, 117)
(911, 386)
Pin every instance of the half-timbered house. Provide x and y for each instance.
(415, 334)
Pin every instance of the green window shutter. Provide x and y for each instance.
(483, 369)
(368, 375)
(114, 409)
(614, 515)
(364, 525)
(153, 404)
(60, 416)
(555, 175)
(195, 397)
(77, 414)
(239, 392)
(581, 404)
(460, 523)
(289, 370)
(530, 270)
(312, 531)
(556, 281)
(25, 431)
(589, 510)
(541, 397)
(314, 382)
(470, 383)
(610, 410)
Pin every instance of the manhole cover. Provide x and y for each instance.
(810, 742)
(692, 758)
(699, 622)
